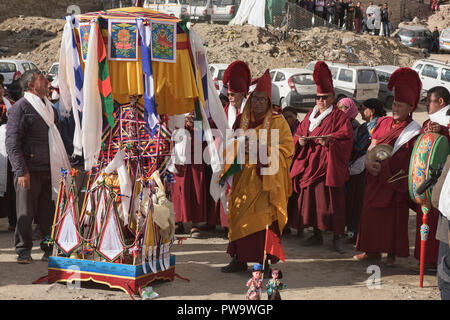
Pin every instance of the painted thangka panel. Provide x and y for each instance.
(85, 28)
(164, 41)
(122, 40)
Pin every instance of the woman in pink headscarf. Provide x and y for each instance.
(348, 106)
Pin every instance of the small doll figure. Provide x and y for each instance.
(274, 286)
(255, 283)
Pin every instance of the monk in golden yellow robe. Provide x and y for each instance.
(257, 207)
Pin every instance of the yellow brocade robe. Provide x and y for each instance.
(257, 201)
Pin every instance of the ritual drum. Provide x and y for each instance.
(430, 151)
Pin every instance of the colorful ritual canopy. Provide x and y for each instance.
(175, 85)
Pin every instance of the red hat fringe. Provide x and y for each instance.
(264, 84)
(237, 77)
(407, 85)
(323, 78)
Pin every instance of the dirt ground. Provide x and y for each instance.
(311, 273)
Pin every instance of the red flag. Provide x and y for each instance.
(273, 245)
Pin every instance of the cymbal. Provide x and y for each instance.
(380, 152)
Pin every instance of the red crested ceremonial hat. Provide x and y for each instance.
(407, 85)
(237, 77)
(264, 84)
(323, 78)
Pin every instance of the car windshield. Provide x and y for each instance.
(54, 69)
(406, 33)
(310, 66)
(7, 67)
(367, 76)
(220, 75)
(446, 34)
(303, 79)
(223, 2)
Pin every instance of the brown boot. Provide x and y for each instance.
(234, 266)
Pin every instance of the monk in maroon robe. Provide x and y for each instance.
(383, 224)
(320, 166)
(189, 189)
(438, 100)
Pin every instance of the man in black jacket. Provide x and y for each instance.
(339, 13)
(27, 145)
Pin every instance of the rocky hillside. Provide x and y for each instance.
(32, 30)
(262, 48)
(44, 8)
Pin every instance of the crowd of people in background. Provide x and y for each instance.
(348, 15)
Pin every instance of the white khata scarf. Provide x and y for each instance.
(58, 155)
(315, 122)
(7, 103)
(3, 155)
(441, 116)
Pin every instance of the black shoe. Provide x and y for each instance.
(315, 240)
(234, 266)
(207, 227)
(24, 259)
(180, 228)
(338, 244)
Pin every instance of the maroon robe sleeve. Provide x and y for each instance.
(339, 152)
(443, 131)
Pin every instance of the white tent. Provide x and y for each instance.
(252, 12)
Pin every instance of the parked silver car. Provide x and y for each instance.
(414, 36)
(384, 73)
(197, 10)
(223, 10)
(444, 40)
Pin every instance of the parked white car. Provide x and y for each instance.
(432, 73)
(198, 10)
(12, 71)
(293, 87)
(171, 7)
(217, 70)
(53, 71)
(353, 81)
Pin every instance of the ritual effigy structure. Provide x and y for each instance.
(123, 74)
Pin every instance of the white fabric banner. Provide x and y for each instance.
(125, 182)
(92, 112)
(3, 161)
(252, 12)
